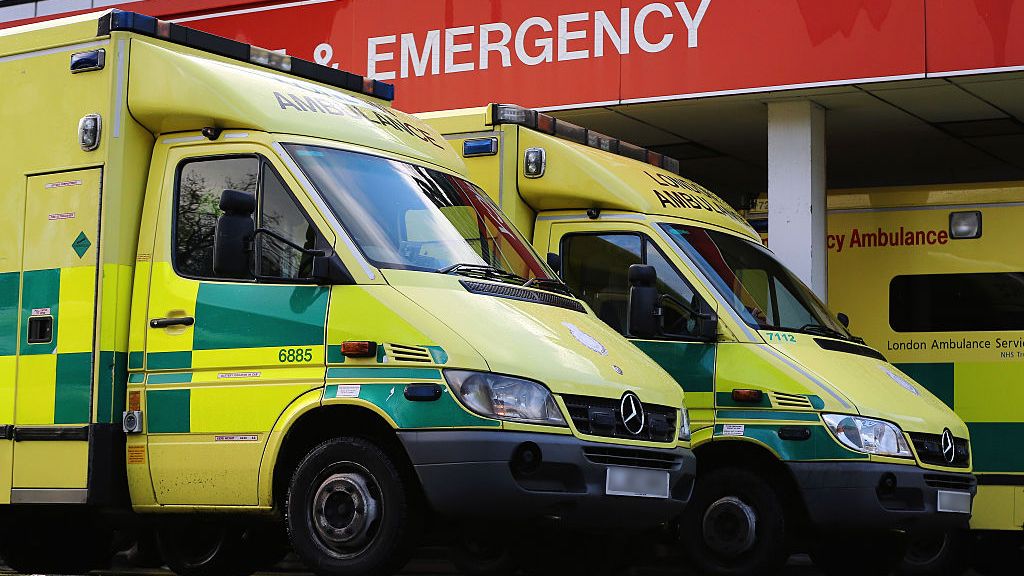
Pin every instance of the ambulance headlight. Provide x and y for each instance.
(868, 435)
(684, 428)
(505, 397)
(965, 224)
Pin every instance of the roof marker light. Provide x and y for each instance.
(270, 59)
(602, 142)
(119, 20)
(545, 123)
(572, 132)
(512, 114)
(479, 147)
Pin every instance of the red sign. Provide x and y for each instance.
(975, 35)
(444, 54)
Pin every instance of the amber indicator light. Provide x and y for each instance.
(748, 396)
(358, 349)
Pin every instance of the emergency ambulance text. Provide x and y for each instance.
(886, 238)
(576, 36)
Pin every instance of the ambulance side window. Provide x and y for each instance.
(596, 267)
(200, 183)
(280, 213)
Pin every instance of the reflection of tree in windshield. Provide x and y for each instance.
(411, 217)
(755, 283)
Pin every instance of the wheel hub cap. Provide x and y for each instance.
(730, 526)
(344, 510)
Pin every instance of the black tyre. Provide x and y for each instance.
(481, 555)
(144, 552)
(736, 525)
(350, 511)
(998, 553)
(204, 547)
(26, 545)
(945, 553)
(840, 554)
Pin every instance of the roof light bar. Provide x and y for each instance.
(147, 25)
(512, 114)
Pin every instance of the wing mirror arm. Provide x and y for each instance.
(307, 251)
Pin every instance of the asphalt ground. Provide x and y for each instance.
(432, 562)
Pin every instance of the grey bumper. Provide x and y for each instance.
(480, 474)
(870, 495)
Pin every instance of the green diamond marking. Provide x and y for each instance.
(81, 244)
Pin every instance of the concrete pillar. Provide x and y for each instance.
(796, 189)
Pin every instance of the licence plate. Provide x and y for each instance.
(636, 482)
(954, 502)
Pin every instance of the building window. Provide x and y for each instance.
(957, 302)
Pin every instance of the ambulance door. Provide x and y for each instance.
(53, 397)
(595, 265)
(227, 352)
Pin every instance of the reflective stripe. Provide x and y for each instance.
(57, 50)
(119, 92)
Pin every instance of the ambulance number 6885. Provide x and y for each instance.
(295, 355)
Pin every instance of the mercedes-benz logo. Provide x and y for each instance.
(631, 410)
(948, 447)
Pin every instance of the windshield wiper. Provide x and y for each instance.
(549, 284)
(481, 271)
(822, 331)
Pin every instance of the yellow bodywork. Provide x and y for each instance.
(218, 397)
(979, 372)
(799, 379)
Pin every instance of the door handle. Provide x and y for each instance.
(174, 321)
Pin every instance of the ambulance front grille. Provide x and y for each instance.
(633, 457)
(965, 483)
(783, 400)
(403, 353)
(602, 417)
(929, 450)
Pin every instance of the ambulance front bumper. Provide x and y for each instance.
(861, 495)
(526, 477)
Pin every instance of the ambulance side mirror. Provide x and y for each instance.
(642, 318)
(233, 233)
(843, 319)
(555, 262)
(707, 320)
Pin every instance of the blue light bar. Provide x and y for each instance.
(479, 147)
(147, 25)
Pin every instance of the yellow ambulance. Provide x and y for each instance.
(237, 287)
(805, 437)
(933, 277)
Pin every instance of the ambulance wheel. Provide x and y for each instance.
(478, 554)
(349, 510)
(840, 554)
(936, 554)
(25, 547)
(204, 547)
(998, 553)
(736, 525)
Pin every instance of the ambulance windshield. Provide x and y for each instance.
(413, 218)
(763, 291)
